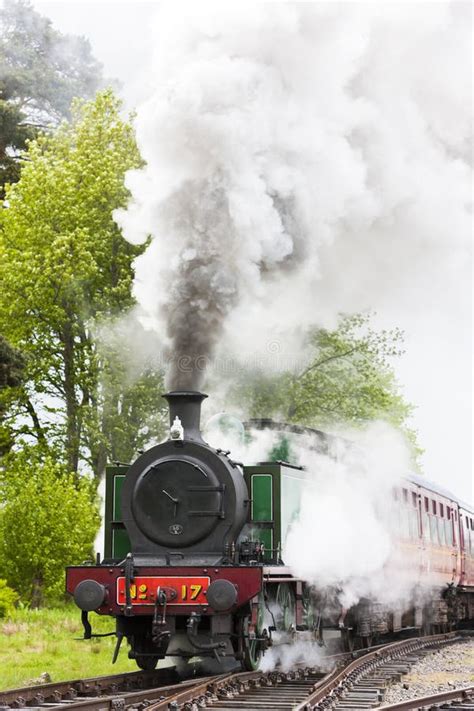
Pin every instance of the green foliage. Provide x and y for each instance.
(281, 451)
(63, 266)
(48, 519)
(349, 379)
(41, 71)
(14, 134)
(12, 367)
(8, 599)
(132, 415)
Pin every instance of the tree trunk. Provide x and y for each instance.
(72, 421)
(36, 422)
(37, 591)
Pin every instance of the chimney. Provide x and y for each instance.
(186, 405)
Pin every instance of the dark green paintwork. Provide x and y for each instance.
(261, 490)
(118, 482)
(269, 530)
(116, 541)
(120, 542)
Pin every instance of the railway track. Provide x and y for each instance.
(104, 692)
(353, 684)
(457, 700)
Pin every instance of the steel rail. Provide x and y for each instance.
(231, 686)
(158, 690)
(207, 689)
(342, 676)
(422, 702)
(70, 690)
(131, 699)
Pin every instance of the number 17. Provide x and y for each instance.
(194, 591)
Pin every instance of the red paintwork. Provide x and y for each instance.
(247, 580)
(467, 549)
(429, 563)
(180, 590)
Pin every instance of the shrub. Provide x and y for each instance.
(48, 519)
(8, 598)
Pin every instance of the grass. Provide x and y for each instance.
(35, 642)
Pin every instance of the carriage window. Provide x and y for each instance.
(405, 521)
(433, 530)
(441, 537)
(433, 503)
(414, 498)
(405, 496)
(426, 527)
(414, 527)
(448, 511)
(472, 525)
(441, 510)
(427, 504)
(448, 529)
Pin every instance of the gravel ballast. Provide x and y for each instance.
(447, 668)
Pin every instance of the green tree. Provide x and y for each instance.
(12, 367)
(41, 70)
(132, 413)
(47, 521)
(64, 267)
(348, 379)
(8, 599)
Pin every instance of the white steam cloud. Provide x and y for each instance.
(344, 528)
(347, 513)
(301, 159)
(346, 506)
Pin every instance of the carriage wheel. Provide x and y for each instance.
(348, 639)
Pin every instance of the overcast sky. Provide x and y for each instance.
(436, 372)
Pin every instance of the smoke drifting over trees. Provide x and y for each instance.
(295, 160)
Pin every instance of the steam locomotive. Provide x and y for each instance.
(194, 561)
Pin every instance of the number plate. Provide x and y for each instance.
(179, 590)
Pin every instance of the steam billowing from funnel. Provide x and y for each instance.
(302, 159)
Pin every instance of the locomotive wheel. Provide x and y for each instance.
(285, 600)
(143, 651)
(251, 650)
(312, 620)
(146, 663)
(308, 611)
